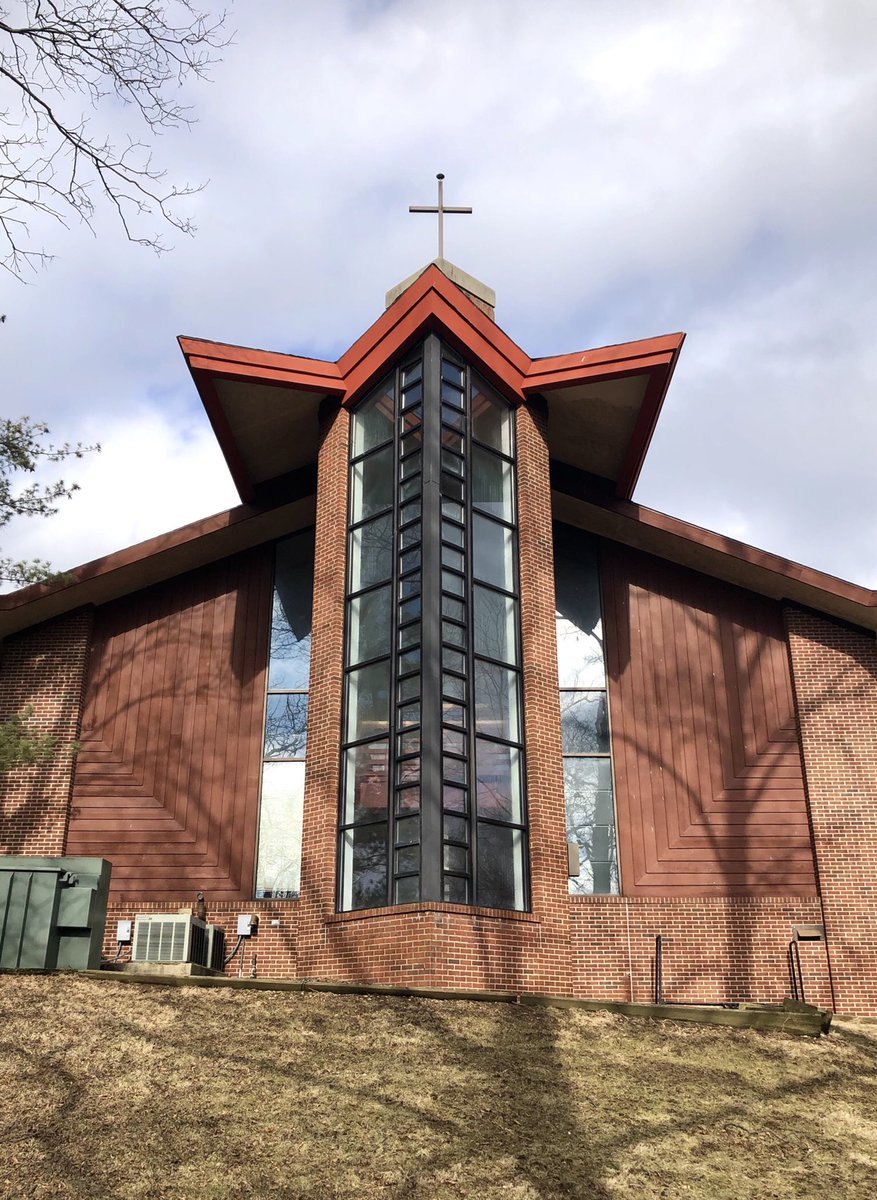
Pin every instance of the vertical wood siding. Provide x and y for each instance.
(710, 788)
(167, 781)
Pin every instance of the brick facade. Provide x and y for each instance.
(43, 670)
(834, 668)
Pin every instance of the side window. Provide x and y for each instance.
(278, 871)
(584, 710)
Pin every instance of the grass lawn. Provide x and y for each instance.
(111, 1090)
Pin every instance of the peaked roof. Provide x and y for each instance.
(603, 404)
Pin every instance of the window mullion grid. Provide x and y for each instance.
(431, 630)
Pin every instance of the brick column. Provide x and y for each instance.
(545, 797)
(834, 672)
(319, 848)
(43, 669)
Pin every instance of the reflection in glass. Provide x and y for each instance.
(492, 552)
(366, 785)
(584, 722)
(369, 625)
(500, 866)
(278, 875)
(491, 484)
(364, 883)
(497, 781)
(372, 484)
(290, 653)
(495, 624)
(374, 419)
(286, 725)
(371, 553)
(491, 418)
(579, 624)
(496, 701)
(368, 701)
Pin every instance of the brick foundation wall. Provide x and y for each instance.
(43, 669)
(834, 671)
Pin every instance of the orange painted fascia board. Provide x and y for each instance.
(607, 362)
(131, 555)
(730, 547)
(261, 365)
(432, 298)
(646, 421)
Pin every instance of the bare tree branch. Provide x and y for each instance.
(73, 57)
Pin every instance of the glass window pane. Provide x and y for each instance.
(579, 626)
(590, 820)
(409, 742)
(411, 420)
(408, 799)
(409, 609)
(452, 533)
(453, 741)
(372, 484)
(452, 558)
(452, 496)
(497, 781)
(453, 688)
(495, 624)
(452, 395)
(453, 769)
(368, 701)
(453, 714)
(456, 858)
(453, 660)
(453, 417)
(492, 552)
(491, 483)
(412, 373)
(368, 629)
(408, 889)
(407, 831)
(410, 560)
(454, 798)
(408, 770)
(366, 782)
(496, 701)
(408, 715)
(454, 609)
(409, 688)
(451, 462)
(408, 859)
(412, 394)
(409, 489)
(374, 419)
(409, 635)
(412, 440)
(456, 829)
(409, 585)
(585, 722)
(410, 466)
(456, 889)
(409, 661)
(286, 725)
(454, 634)
(453, 583)
(410, 512)
(452, 373)
(500, 867)
(364, 877)
(491, 417)
(278, 874)
(371, 553)
(410, 536)
(290, 655)
(452, 440)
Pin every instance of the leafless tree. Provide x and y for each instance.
(62, 63)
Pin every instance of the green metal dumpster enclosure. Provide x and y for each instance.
(52, 912)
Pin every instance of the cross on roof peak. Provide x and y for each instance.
(441, 208)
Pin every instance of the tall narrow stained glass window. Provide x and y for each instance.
(584, 710)
(432, 804)
(278, 872)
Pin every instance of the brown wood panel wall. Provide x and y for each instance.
(710, 786)
(167, 780)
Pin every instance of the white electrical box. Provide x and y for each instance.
(123, 931)
(247, 924)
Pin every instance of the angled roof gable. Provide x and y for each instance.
(263, 406)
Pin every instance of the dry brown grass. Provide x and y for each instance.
(112, 1090)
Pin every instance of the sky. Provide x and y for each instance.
(635, 169)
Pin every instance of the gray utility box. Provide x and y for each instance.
(52, 912)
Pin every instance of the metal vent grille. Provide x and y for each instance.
(166, 938)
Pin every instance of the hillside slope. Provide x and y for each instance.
(113, 1090)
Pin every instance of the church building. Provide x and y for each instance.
(443, 707)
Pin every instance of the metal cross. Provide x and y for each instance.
(441, 208)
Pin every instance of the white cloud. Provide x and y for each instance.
(634, 169)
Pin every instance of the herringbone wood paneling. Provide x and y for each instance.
(167, 781)
(710, 787)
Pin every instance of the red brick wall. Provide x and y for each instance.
(834, 669)
(44, 669)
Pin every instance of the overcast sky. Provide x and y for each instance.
(635, 169)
